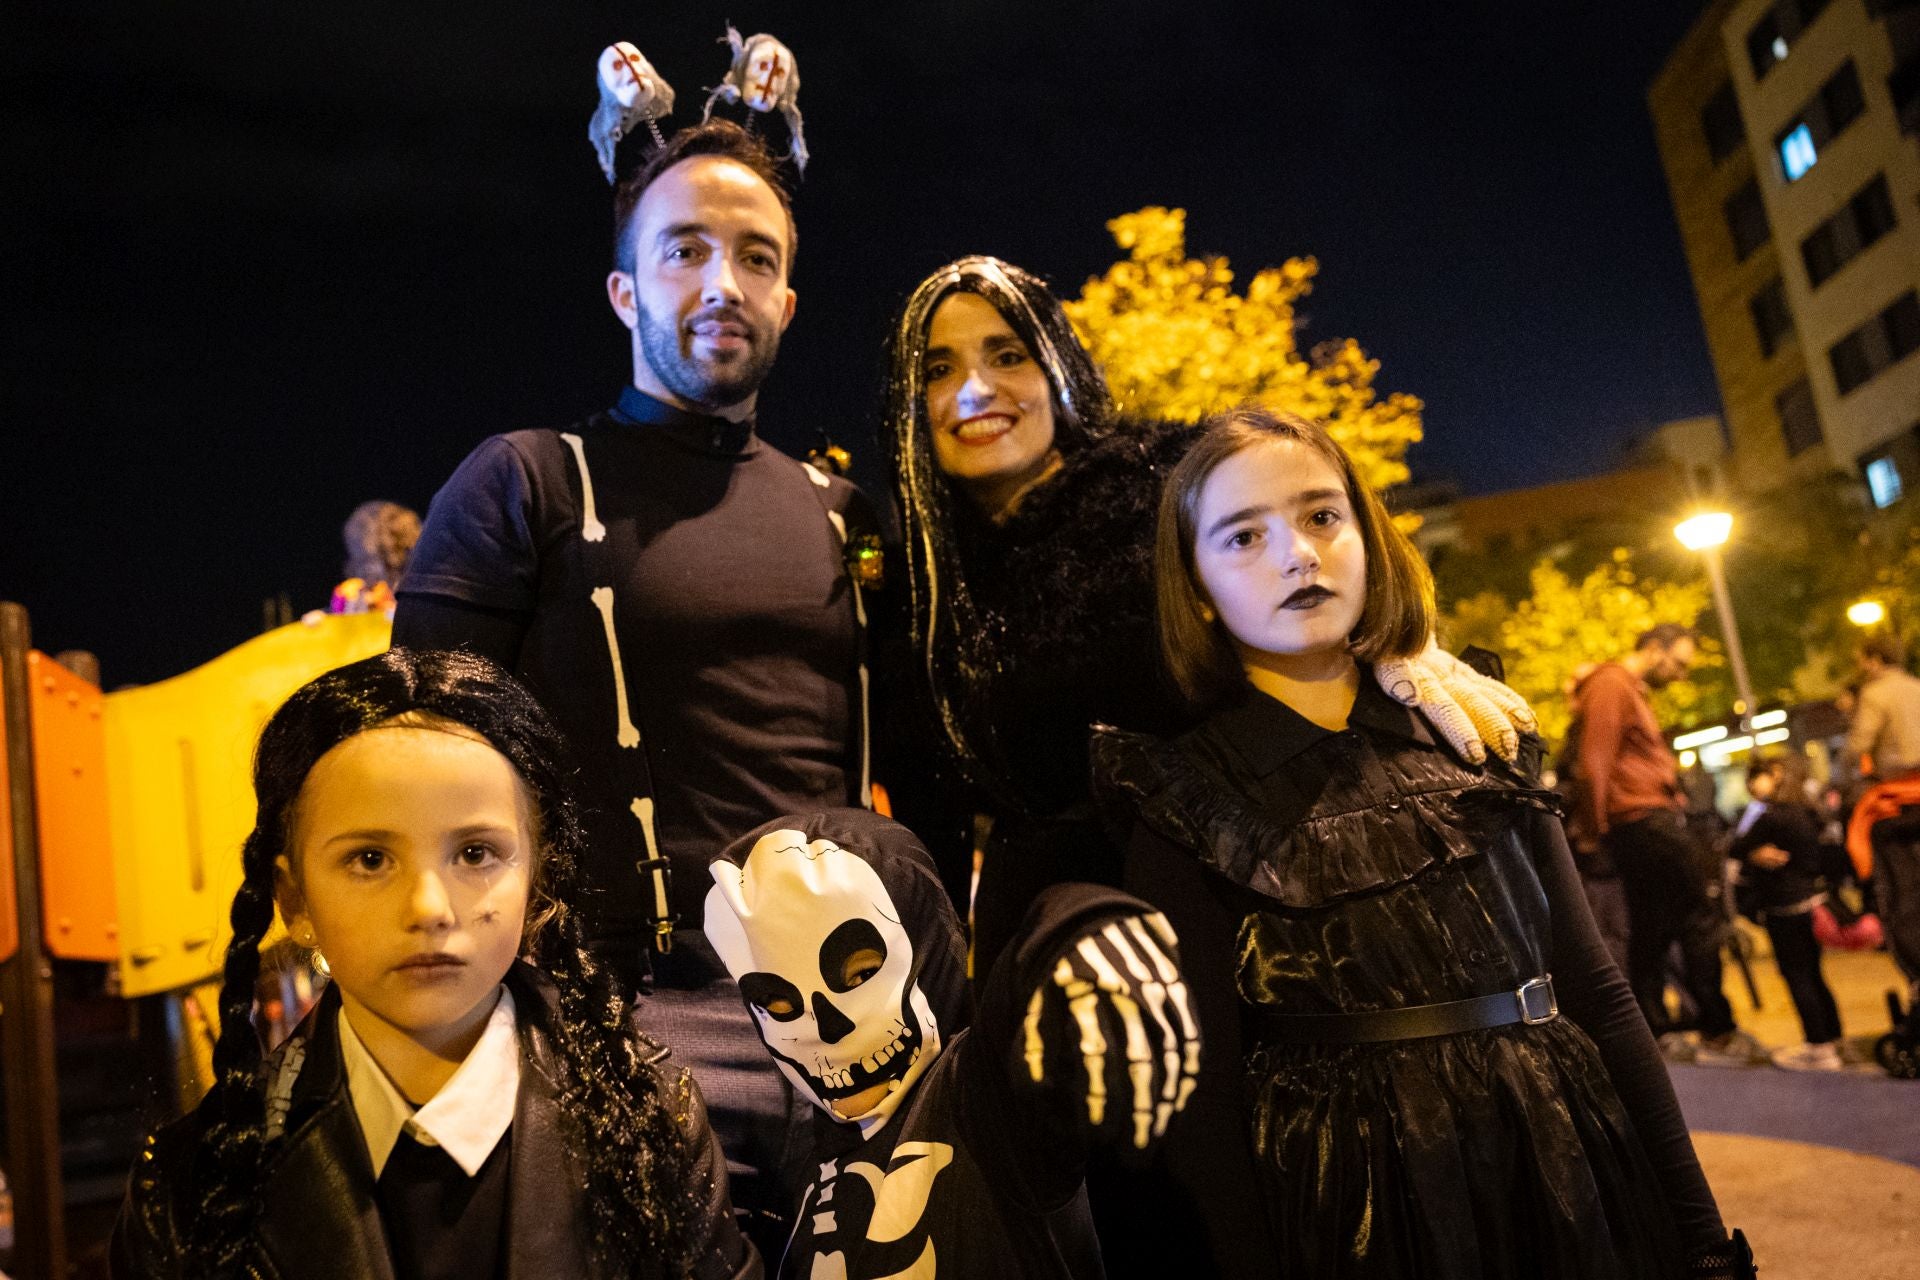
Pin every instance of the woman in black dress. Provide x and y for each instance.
(1375, 929)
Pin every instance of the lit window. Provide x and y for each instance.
(1796, 152)
(1883, 481)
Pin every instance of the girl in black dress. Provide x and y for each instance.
(1422, 1061)
(446, 1109)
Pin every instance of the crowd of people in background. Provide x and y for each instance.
(1816, 863)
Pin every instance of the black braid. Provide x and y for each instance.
(627, 1115)
(623, 1115)
(227, 1166)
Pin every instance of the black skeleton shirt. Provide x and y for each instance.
(849, 956)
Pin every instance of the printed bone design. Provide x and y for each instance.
(891, 1200)
(591, 530)
(628, 734)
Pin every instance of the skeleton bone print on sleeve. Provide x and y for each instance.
(1123, 995)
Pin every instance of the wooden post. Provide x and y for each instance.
(26, 994)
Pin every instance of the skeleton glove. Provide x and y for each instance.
(1113, 1019)
(1471, 711)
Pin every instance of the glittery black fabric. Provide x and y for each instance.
(1064, 593)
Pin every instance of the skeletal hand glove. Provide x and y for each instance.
(1471, 711)
(1115, 1011)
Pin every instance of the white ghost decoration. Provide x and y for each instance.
(766, 78)
(631, 92)
(812, 936)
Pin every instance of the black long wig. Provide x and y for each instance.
(618, 1105)
(943, 616)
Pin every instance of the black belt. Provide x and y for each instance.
(1533, 1003)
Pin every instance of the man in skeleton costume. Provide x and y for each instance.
(944, 1150)
(677, 593)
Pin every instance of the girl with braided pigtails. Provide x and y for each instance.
(469, 1096)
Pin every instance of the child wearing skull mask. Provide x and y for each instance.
(937, 1144)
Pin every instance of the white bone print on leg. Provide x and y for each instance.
(590, 527)
(628, 734)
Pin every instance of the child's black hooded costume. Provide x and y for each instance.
(851, 961)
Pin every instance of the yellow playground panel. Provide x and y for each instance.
(179, 757)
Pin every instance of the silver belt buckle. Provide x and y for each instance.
(1538, 1004)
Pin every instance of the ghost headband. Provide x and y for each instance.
(631, 92)
(765, 77)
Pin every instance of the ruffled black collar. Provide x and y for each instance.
(1356, 840)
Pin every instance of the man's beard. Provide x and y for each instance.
(705, 383)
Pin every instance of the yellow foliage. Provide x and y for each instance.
(1565, 627)
(1177, 342)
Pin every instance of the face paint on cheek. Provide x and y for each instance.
(497, 887)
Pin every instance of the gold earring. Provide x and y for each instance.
(1206, 613)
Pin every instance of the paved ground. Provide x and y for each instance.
(1821, 1170)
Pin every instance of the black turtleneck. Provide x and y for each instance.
(734, 619)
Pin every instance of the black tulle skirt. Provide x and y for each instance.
(1495, 1155)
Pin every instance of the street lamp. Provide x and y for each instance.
(1866, 613)
(1707, 533)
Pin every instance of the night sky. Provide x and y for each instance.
(266, 261)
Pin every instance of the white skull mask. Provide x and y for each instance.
(812, 936)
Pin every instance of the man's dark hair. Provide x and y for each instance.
(1664, 636)
(721, 138)
(1885, 650)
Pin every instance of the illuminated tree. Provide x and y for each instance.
(1565, 627)
(1177, 342)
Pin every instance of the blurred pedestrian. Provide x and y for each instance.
(1777, 844)
(1883, 835)
(1628, 799)
(379, 537)
(1886, 717)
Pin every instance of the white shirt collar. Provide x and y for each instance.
(470, 1114)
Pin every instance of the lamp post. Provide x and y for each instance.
(1707, 533)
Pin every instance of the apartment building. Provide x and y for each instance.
(1790, 135)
